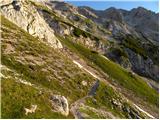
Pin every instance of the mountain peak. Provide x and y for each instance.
(141, 10)
(111, 8)
(86, 7)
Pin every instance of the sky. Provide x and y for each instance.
(120, 4)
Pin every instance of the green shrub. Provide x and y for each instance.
(119, 52)
(77, 32)
(135, 45)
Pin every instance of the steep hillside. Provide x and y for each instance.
(53, 66)
(136, 33)
(33, 61)
(28, 81)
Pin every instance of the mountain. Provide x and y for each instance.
(139, 28)
(62, 61)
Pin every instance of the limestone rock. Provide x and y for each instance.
(116, 102)
(84, 83)
(60, 104)
(25, 15)
(66, 32)
(31, 110)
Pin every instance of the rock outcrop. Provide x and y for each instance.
(60, 104)
(143, 66)
(31, 110)
(25, 15)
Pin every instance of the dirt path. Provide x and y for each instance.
(99, 75)
(76, 105)
(80, 66)
(94, 89)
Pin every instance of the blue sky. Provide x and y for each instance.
(120, 4)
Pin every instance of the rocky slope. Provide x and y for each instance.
(30, 20)
(54, 67)
(128, 26)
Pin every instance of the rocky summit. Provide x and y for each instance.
(61, 61)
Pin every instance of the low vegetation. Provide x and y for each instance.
(133, 44)
(91, 114)
(118, 51)
(17, 96)
(31, 59)
(111, 101)
(123, 78)
(77, 32)
(36, 63)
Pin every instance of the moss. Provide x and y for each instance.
(77, 32)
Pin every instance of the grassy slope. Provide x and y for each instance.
(57, 73)
(125, 79)
(38, 77)
(106, 98)
(23, 95)
(16, 96)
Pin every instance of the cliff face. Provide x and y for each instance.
(26, 16)
(62, 61)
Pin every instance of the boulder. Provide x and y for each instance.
(60, 104)
(84, 83)
(66, 32)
